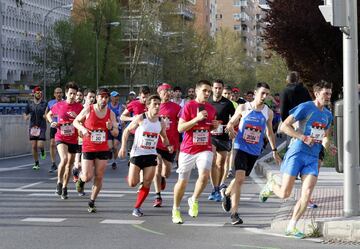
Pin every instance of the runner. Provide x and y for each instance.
(177, 97)
(35, 111)
(114, 142)
(143, 154)
(196, 121)
(302, 156)
(190, 94)
(77, 162)
(220, 139)
(89, 96)
(255, 120)
(169, 112)
(58, 94)
(66, 136)
(93, 123)
(236, 96)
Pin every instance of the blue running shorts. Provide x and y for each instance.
(302, 163)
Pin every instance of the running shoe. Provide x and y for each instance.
(230, 174)
(113, 165)
(235, 219)
(75, 179)
(312, 204)
(58, 188)
(43, 154)
(226, 200)
(295, 233)
(176, 217)
(211, 196)
(266, 191)
(157, 202)
(92, 207)
(64, 194)
(193, 207)
(36, 167)
(137, 212)
(163, 183)
(80, 185)
(53, 168)
(217, 196)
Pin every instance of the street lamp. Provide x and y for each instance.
(67, 6)
(113, 24)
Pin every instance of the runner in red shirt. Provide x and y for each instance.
(94, 123)
(66, 136)
(196, 121)
(169, 112)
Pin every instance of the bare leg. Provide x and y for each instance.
(100, 167)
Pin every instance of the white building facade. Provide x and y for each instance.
(21, 36)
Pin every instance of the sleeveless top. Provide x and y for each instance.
(97, 139)
(250, 137)
(146, 138)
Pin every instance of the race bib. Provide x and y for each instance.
(317, 132)
(252, 134)
(167, 122)
(67, 130)
(98, 136)
(149, 140)
(35, 131)
(219, 131)
(200, 136)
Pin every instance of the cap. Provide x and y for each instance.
(102, 91)
(235, 90)
(114, 94)
(36, 89)
(164, 86)
(132, 93)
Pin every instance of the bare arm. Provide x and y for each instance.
(112, 125)
(79, 120)
(271, 137)
(133, 125)
(288, 129)
(125, 116)
(187, 125)
(164, 138)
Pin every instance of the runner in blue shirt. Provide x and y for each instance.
(114, 142)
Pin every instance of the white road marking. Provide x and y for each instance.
(123, 222)
(20, 167)
(264, 232)
(44, 219)
(29, 185)
(192, 224)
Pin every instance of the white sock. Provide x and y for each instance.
(291, 225)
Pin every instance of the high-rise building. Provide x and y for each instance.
(21, 32)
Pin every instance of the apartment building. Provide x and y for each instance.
(21, 32)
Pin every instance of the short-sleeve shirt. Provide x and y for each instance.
(51, 103)
(197, 139)
(66, 132)
(37, 112)
(312, 122)
(135, 107)
(224, 110)
(169, 113)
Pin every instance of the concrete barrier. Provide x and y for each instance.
(14, 137)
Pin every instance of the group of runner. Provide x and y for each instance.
(213, 129)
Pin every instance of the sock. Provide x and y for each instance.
(143, 193)
(37, 162)
(291, 225)
(223, 185)
(42, 150)
(92, 203)
(216, 188)
(193, 199)
(158, 195)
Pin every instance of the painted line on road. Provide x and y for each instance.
(13, 157)
(122, 222)
(29, 185)
(193, 224)
(44, 219)
(147, 230)
(20, 167)
(257, 247)
(263, 232)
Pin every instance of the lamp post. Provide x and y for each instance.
(97, 32)
(67, 6)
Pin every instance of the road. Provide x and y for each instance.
(32, 216)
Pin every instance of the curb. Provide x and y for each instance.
(339, 229)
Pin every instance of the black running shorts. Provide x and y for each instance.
(144, 161)
(101, 155)
(244, 161)
(170, 157)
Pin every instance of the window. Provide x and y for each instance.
(237, 27)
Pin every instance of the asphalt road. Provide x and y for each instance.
(32, 216)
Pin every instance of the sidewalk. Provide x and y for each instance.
(328, 219)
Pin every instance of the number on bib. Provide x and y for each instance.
(98, 136)
(149, 140)
(200, 136)
(67, 130)
(35, 131)
(252, 134)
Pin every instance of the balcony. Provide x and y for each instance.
(185, 12)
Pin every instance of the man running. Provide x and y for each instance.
(255, 120)
(220, 139)
(143, 155)
(66, 136)
(196, 121)
(94, 123)
(177, 97)
(302, 156)
(169, 113)
(114, 142)
(77, 163)
(58, 94)
(35, 111)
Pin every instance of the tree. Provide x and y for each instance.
(298, 32)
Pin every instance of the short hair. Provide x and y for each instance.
(144, 90)
(177, 88)
(71, 85)
(219, 81)
(249, 92)
(320, 85)
(292, 77)
(203, 82)
(228, 88)
(88, 90)
(277, 94)
(103, 90)
(262, 84)
(151, 97)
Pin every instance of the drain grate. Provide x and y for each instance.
(341, 242)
